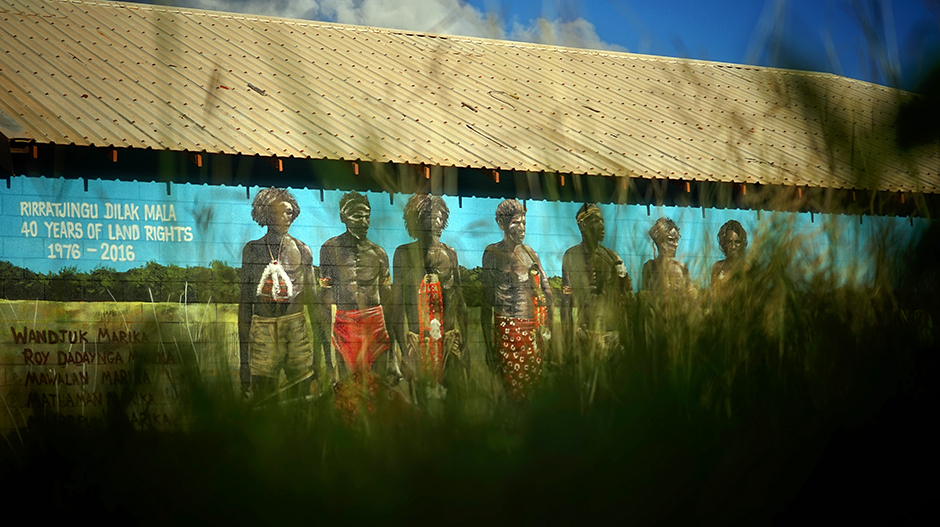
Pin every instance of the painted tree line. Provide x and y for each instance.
(153, 282)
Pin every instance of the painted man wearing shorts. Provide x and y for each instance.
(276, 280)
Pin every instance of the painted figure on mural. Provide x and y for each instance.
(276, 284)
(664, 274)
(594, 281)
(430, 315)
(354, 277)
(732, 239)
(516, 315)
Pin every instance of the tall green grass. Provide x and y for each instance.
(718, 409)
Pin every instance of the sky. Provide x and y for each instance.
(890, 42)
(884, 41)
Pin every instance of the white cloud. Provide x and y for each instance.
(305, 9)
(449, 17)
(441, 16)
(577, 33)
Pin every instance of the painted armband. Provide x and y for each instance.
(539, 305)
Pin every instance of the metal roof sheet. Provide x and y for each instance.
(144, 76)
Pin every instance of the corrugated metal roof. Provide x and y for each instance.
(143, 76)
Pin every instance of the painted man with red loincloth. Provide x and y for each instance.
(430, 315)
(517, 312)
(276, 284)
(354, 277)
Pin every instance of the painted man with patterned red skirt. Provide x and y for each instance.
(430, 315)
(517, 312)
(354, 277)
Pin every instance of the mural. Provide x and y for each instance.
(118, 291)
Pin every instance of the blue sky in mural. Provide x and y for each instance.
(48, 224)
(885, 41)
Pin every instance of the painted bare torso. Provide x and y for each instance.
(355, 270)
(507, 283)
(260, 285)
(412, 263)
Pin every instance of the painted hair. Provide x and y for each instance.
(661, 228)
(726, 229)
(507, 210)
(419, 208)
(587, 210)
(350, 199)
(265, 199)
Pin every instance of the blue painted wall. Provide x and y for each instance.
(124, 224)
